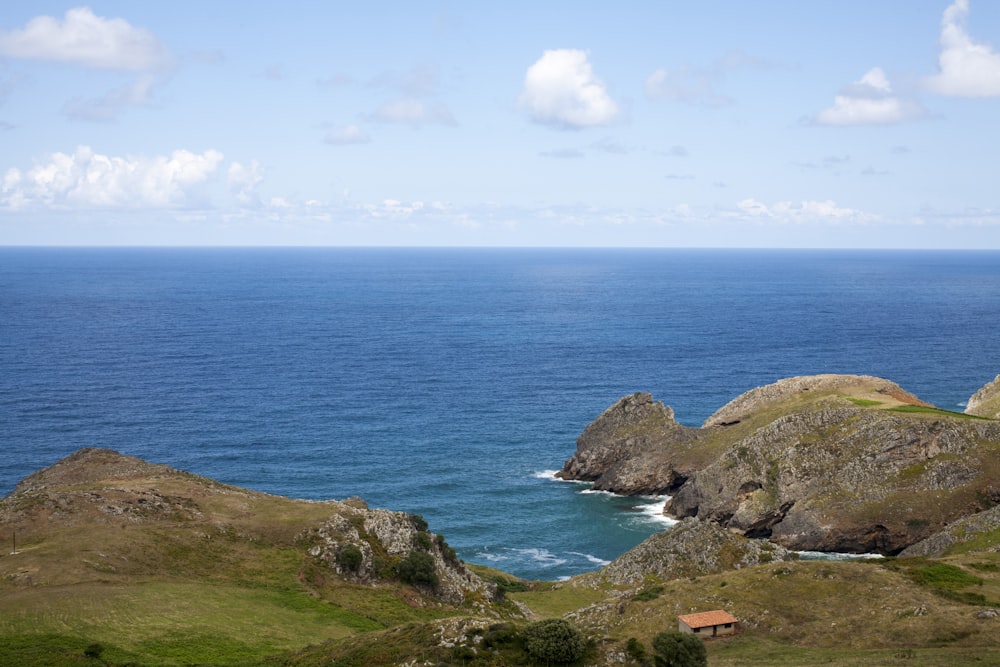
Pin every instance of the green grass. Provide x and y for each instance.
(553, 600)
(864, 402)
(763, 653)
(151, 621)
(922, 409)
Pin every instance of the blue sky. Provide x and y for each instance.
(733, 124)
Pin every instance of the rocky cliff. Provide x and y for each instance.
(825, 463)
(623, 450)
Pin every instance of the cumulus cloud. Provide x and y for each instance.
(968, 68)
(85, 179)
(561, 89)
(413, 112)
(86, 39)
(347, 134)
(825, 211)
(243, 181)
(869, 101)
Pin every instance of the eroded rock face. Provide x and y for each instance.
(820, 463)
(986, 401)
(966, 529)
(628, 449)
(692, 548)
(378, 533)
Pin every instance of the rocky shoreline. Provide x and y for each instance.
(841, 463)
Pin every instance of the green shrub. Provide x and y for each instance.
(647, 594)
(636, 651)
(499, 634)
(422, 540)
(418, 522)
(553, 640)
(418, 569)
(679, 649)
(94, 651)
(446, 551)
(350, 558)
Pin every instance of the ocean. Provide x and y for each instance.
(452, 383)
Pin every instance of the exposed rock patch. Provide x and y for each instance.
(692, 548)
(963, 531)
(986, 401)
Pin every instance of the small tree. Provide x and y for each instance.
(350, 558)
(553, 640)
(418, 569)
(679, 649)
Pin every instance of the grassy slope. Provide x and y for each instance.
(227, 584)
(230, 586)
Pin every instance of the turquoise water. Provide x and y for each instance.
(451, 383)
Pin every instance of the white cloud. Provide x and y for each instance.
(869, 101)
(560, 89)
(563, 154)
(686, 85)
(785, 212)
(347, 134)
(86, 179)
(968, 68)
(413, 112)
(243, 181)
(136, 93)
(86, 39)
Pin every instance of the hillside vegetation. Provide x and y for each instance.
(123, 562)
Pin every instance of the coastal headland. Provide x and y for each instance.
(123, 561)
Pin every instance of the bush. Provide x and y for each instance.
(499, 634)
(418, 569)
(93, 651)
(446, 551)
(679, 649)
(350, 558)
(637, 652)
(553, 640)
(647, 594)
(422, 540)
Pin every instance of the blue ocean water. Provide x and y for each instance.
(451, 382)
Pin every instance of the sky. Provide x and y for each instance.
(780, 123)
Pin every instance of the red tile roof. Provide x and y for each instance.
(706, 619)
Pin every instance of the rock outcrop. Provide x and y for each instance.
(986, 401)
(692, 548)
(820, 463)
(963, 532)
(623, 450)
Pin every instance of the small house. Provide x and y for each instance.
(708, 624)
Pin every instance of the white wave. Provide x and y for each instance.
(654, 512)
(542, 556)
(832, 555)
(963, 404)
(551, 476)
(598, 492)
(593, 559)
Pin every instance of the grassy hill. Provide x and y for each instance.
(162, 567)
